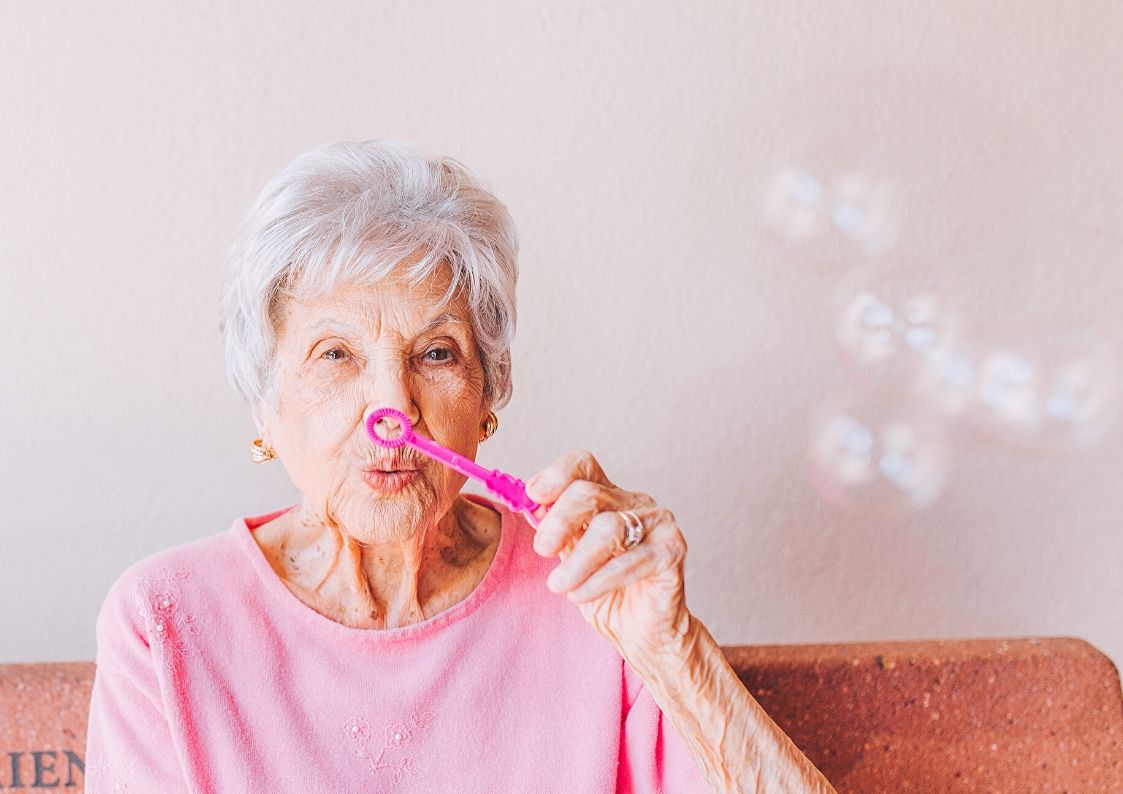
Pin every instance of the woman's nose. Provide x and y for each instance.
(391, 388)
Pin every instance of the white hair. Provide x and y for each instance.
(350, 212)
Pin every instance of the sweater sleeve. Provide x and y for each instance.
(653, 756)
(129, 744)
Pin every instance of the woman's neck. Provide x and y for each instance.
(383, 586)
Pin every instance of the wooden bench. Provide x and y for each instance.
(1015, 715)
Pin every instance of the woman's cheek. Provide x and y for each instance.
(326, 404)
(449, 400)
(330, 385)
(331, 426)
(459, 382)
(450, 410)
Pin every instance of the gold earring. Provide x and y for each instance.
(491, 424)
(261, 453)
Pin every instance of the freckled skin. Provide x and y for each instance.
(362, 557)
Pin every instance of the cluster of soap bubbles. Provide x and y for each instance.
(1038, 390)
(873, 455)
(1032, 386)
(1059, 395)
(918, 365)
(801, 207)
(891, 343)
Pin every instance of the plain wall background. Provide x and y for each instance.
(664, 324)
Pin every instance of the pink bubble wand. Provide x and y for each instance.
(505, 486)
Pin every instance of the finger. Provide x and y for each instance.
(598, 544)
(573, 510)
(616, 574)
(579, 464)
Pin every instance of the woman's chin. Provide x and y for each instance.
(381, 519)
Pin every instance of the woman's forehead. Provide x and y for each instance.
(375, 310)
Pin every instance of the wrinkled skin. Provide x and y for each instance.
(635, 598)
(364, 557)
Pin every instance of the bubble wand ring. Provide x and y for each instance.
(505, 486)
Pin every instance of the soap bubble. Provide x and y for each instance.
(1008, 389)
(795, 204)
(865, 211)
(1060, 393)
(947, 380)
(820, 213)
(893, 329)
(876, 456)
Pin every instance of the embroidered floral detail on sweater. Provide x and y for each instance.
(159, 598)
(390, 759)
(100, 777)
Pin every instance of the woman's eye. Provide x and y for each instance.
(430, 353)
(330, 357)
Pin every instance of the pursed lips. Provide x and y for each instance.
(396, 464)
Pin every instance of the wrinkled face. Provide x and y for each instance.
(343, 356)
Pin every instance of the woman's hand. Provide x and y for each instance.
(635, 597)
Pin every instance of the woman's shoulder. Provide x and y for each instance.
(154, 582)
(193, 555)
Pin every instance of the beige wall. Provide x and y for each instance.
(668, 322)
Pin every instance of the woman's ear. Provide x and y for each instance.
(259, 414)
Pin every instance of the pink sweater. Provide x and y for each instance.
(213, 677)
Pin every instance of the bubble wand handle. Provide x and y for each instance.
(505, 486)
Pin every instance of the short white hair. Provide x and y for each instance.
(349, 212)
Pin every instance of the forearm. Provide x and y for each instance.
(736, 744)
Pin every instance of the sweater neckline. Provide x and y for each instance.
(245, 525)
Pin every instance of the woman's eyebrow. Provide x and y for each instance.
(441, 319)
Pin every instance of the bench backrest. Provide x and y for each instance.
(1036, 714)
(962, 715)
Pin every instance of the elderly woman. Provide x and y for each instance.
(388, 632)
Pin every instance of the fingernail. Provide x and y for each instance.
(532, 486)
(540, 544)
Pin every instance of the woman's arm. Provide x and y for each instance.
(736, 744)
(129, 745)
(633, 594)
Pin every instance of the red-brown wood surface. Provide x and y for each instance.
(43, 710)
(1016, 715)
